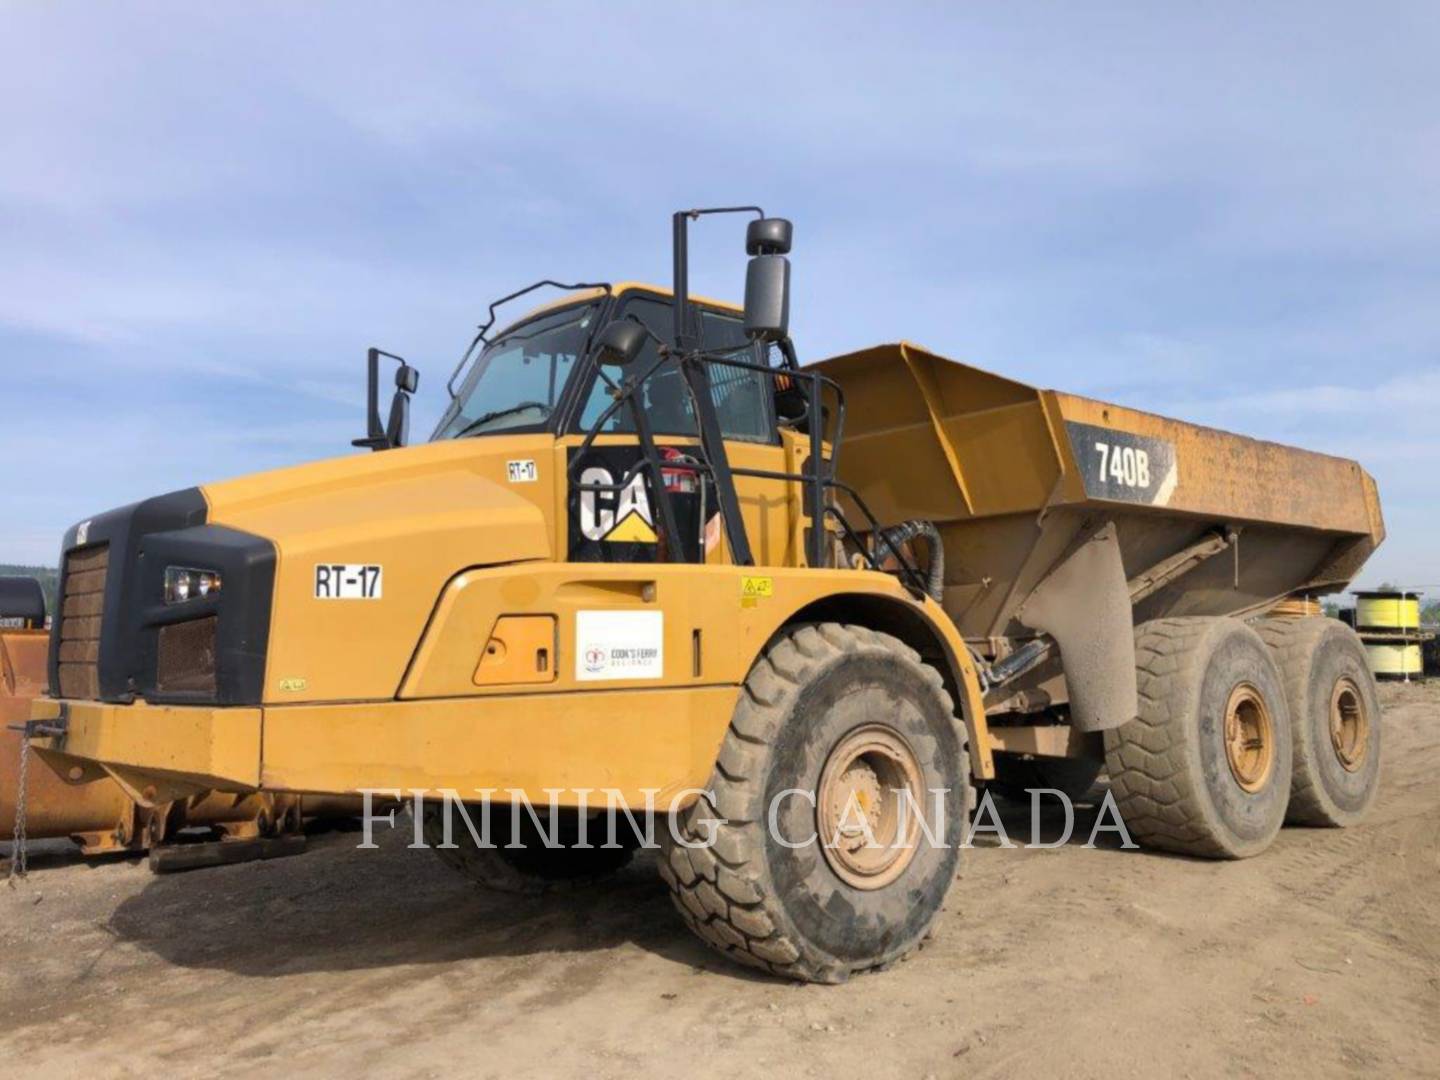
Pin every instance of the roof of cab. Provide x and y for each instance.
(581, 295)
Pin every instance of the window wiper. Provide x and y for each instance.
(545, 410)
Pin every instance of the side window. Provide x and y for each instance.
(744, 401)
(665, 399)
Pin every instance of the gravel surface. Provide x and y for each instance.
(1320, 958)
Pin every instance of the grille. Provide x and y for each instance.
(187, 657)
(80, 611)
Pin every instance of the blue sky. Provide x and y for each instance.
(1223, 212)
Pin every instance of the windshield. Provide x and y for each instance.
(517, 381)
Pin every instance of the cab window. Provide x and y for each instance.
(743, 399)
(517, 382)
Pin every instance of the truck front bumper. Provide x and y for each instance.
(156, 752)
(640, 745)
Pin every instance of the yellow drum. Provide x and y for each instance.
(1395, 660)
(1387, 611)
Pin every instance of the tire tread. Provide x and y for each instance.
(730, 909)
(1151, 759)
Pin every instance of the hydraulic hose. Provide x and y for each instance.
(896, 535)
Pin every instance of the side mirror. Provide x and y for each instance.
(767, 298)
(23, 601)
(767, 279)
(620, 343)
(397, 429)
(768, 236)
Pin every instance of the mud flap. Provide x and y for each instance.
(1084, 605)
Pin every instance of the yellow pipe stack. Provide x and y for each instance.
(1388, 622)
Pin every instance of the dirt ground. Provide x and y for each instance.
(1320, 958)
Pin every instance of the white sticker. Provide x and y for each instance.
(521, 472)
(82, 533)
(348, 581)
(619, 645)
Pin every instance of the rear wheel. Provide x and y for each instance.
(1204, 769)
(1336, 716)
(534, 868)
(807, 859)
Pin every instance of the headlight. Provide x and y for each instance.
(184, 583)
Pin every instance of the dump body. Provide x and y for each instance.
(1014, 475)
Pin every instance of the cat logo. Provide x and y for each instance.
(627, 521)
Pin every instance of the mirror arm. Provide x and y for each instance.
(685, 337)
(376, 437)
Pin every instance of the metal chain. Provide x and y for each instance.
(18, 868)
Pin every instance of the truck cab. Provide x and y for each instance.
(539, 376)
(585, 540)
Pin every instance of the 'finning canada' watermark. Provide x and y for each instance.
(588, 818)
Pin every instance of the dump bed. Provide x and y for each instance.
(1013, 475)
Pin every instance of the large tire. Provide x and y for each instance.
(1175, 782)
(534, 869)
(1015, 776)
(817, 693)
(1328, 682)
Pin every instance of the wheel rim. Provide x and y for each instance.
(1249, 738)
(1349, 725)
(866, 779)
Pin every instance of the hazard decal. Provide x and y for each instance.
(622, 525)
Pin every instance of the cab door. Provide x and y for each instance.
(620, 526)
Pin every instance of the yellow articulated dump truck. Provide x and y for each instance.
(801, 610)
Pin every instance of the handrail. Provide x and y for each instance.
(484, 328)
(820, 478)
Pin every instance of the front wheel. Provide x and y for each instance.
(810, 856)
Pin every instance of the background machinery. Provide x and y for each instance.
(87, 807)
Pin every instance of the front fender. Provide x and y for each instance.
(418, 516)
(714, 622)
